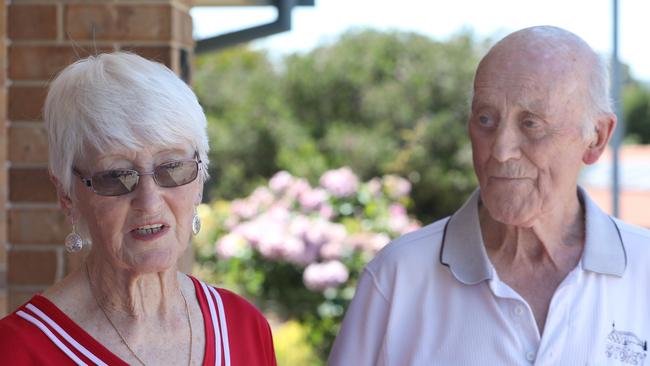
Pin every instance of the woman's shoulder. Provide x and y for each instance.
(233, 304)
(21, 341)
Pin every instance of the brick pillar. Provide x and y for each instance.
(3, 159)
(45, 36)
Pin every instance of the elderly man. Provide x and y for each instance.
(529, 270)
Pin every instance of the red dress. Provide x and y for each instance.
(38, 333)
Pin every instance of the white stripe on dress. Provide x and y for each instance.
(65, 335)
(215, 324)
(51, 336)
(224, 326)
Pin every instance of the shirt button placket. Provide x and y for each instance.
(519, 310)
(530, 356)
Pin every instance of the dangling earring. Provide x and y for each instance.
(196, 223)
(73, 242)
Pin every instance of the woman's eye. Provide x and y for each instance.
(172, 165)
(119, 173)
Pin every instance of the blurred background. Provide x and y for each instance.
(334, 125)
(348, 130)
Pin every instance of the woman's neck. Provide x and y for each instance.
(135, 294)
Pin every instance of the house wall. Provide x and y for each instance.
(38, 39)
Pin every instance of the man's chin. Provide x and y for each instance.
(510, 212)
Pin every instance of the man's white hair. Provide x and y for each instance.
(119, 100)
(598, 99)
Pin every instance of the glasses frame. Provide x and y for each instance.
(88, 182)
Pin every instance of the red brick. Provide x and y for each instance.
(37, 226)
(143, 22)
(51, 60)
(31, 267)
(26, 102)
(3, 113)
(32, 22)
(3, 62)
(30, 185)
(162, 54)
(28, 144)
(3, 257)
(182, 28)
(4, 308)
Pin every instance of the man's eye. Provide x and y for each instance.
(530, 123)
(485, 120)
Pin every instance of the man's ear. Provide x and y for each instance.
(604, 131)
(64, 199)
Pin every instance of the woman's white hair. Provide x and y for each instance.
(119, 100)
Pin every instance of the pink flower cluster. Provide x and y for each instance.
(340, 182)
(292, 221)
(320, 276)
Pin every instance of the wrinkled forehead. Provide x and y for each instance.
(538, 71)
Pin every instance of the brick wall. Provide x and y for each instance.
(3, 158)
(43, 37)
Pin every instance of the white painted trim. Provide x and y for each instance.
(51, 336)
(215, 324)
(65, 335)
(224, 326)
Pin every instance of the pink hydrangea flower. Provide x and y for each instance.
(261, 198)
(231, 245)
(412, 226)
(320, 276)
(368, 242)
(340, 182)
(243, 209)
(280, 181)
(374, 187)
(313, 199)
(396, 187)
(398, 220)
(326, 211)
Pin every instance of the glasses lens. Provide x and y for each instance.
(115, 182)
(176, 173)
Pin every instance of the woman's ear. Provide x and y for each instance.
(604, 131)
(65, 202)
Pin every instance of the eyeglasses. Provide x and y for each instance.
(122, 181)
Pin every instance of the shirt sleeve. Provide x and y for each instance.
(361, 337)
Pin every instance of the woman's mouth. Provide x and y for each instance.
(149, 232)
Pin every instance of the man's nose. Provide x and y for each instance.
(507, 143)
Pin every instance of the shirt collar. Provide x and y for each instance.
(463, 250)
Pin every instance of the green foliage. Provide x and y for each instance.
(379, 102)
(636, 109)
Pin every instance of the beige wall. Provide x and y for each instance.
(42, 37)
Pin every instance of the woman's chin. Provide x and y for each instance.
(153, 261)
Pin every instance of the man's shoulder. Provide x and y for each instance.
(631, 229)
(635, 238)
(422, 245)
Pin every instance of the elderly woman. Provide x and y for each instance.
(128, 156)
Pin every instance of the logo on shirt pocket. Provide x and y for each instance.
(626, 347)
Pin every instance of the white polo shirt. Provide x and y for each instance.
(432, 297)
